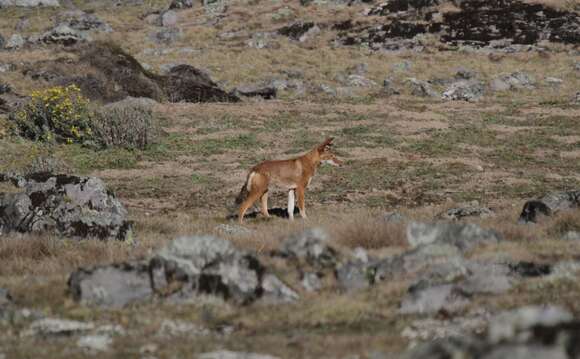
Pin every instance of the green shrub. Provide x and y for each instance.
(127, 124)
(56, 114)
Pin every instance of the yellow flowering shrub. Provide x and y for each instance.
(58, 114)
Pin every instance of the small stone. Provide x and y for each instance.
(56, 327)
(15, 41)
(98, 343)
(421, 88)
(311, 282)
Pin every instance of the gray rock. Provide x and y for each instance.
(166, 36)
(421, 88)
(310, 246)
(29, 3)
(96, 343)
(359, 81)
(57, 327)
(514, 325)
(168, 18)
(469, 211)
(65, 35)
(464, 90)
(15, 41)
(549, 204)
(177, 328)
(180, 4)
(275, 291)
(81, 21)
(571, 236)
(311, 282)
(112, 286)
(428, 300)
(2, 42)
(553, 81)
(433, 329)
(514, 81)
(463, 236)
(389, 89)
(526, 352)
(394, 217)
(226, 354)
(5, 297)
(576, 98)
(262, 40)
(68, 205)
(354, 276)
(402, 66)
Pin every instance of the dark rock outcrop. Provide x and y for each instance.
(186, 267)
(476, 23)
(549, 204)
(70, 206)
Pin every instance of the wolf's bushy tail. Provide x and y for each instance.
(239, 199)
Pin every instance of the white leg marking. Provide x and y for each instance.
(249, 184)
(291, 204)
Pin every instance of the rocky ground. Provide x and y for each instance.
(451, 230)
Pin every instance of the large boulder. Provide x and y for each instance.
(81, 21)
(464, 236)
(185, 268)
(526, 333)
(310, 247)
(549, 204)
(68, 205)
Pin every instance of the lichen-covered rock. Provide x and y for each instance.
(464, 236)
(29, 3)
(421, 88)
(464, 90)
(186, 267)
(458, 213)
(310, 246)
(514, 81)
(549, 204)
(69, 205)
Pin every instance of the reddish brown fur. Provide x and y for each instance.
(292, 174)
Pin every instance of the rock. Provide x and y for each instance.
(97, 343)
(434, 329)
(15, 41)
(359, 81)
(465, 74)
(180, 4)
(168, 18)
(187, 266)
(2, 42)
(262, 40)
(29, 3)
(463, 236)
(185, 83)
(266, 92)
(576, 98)
(175, 328)
(112, 286)
(402, 66)
(514, 81)
(464, 90)
(553, 81)
(311, 282)
(421, 88)
(209, 265)
(5, 297)
(81, 21)
(549, 204)
(394, 217)
(428, 300)
(67, 205)
(275, 291)
(571, 236)
(513, 325)
(65, 35)
(5, 88)
(226, 354)
(469, 211)
(389, 89)
(309, 246)
(529, 269)
(354, 276)
(283, 14)
(57, 327)
(296, 30)
(166, 36)
(360, 254)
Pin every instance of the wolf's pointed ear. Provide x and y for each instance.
(326, 144)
